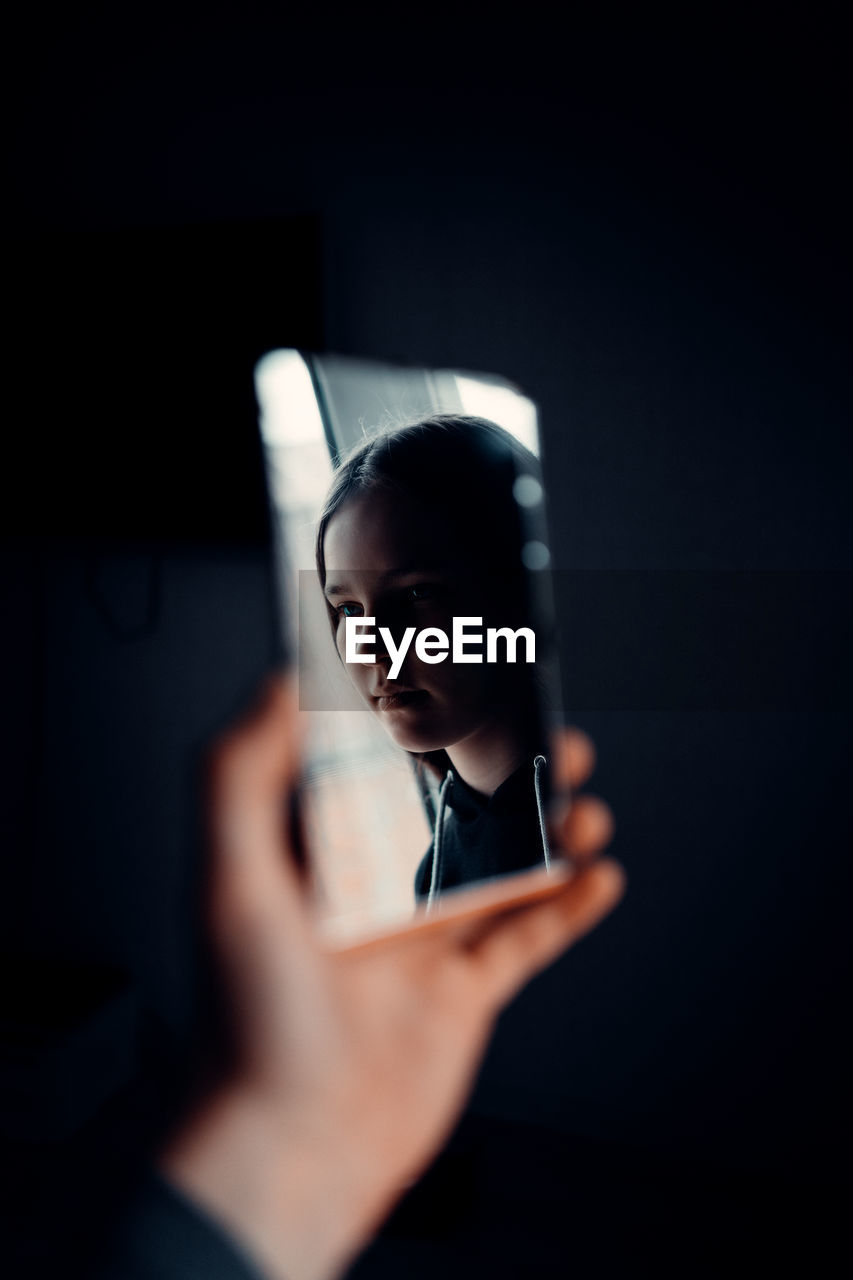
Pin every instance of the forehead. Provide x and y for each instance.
(379, 531)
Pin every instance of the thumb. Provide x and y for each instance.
(519, 945)
(252, 768)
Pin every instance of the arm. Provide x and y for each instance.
(352, 1069)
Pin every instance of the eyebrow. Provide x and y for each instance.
(404, 571)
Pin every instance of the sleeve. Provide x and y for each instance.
(164, 1236)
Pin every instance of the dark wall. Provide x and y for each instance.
(656, 251)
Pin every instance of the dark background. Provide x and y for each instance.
(646, 226)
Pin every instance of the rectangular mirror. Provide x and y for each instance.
(412, 571)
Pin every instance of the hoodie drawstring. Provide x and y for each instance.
(538, 764)
(435, 872)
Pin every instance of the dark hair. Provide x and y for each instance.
(466, 468)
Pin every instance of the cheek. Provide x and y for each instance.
(465, 686)
(355, 671)
(340, 643)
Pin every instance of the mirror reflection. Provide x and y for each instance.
(423, 629)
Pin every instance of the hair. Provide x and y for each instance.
(461, 465)
(465, 468)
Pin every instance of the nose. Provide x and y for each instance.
(381, 655)
(392, 618)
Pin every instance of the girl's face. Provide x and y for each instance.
(390, 558)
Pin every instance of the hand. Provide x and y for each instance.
(352, 1068)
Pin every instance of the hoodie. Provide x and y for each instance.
(479, 837)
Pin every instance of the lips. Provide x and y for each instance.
(398, 699)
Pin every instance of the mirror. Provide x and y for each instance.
(412, 574)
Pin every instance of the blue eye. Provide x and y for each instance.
(349, 609)
(423, 591)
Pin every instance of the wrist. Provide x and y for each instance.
(291, 1189)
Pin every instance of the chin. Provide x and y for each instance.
(409, 738)
(413, 741)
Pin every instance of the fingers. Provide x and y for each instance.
(517, 946)
(583, 828)
(572, 759)
(583, 825)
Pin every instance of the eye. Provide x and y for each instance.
(423, 591)
(349, 609)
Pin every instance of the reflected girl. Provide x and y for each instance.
(420, 526)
